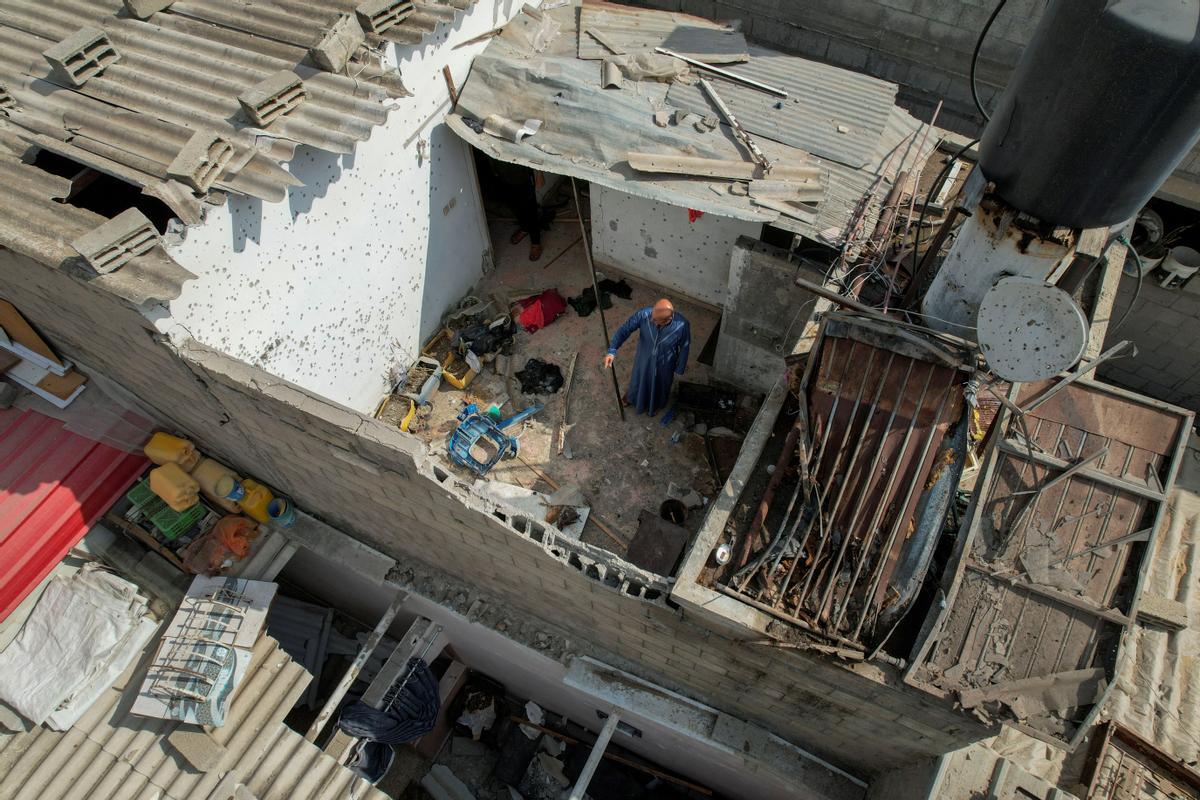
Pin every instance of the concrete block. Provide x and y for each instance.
(81, 56)
(202, 160)
(112, 245)
(377, 16)
(143, 9)
(274, 97)
(1163, 612)
(340, 42)
(197, 747)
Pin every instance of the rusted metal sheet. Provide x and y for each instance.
(849, 548)
(1050, 557)
(1125, 766)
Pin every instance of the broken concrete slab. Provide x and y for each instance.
(202, 160)
(1030, 697)
(197, 747)
(443, 784)
(1162, 612)
(112, 245)
(143, 9)
(340, 42)
(378, 16)
(273, 97)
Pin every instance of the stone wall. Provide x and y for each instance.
(1165, 326)
(377, 484)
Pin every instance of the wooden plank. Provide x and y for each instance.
(135, 532)
(1072, 601)
(806, 191)
(566, 404)
(22, 333)
(675, 164)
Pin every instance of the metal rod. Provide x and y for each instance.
(803, 624)
(738, 131)
(862, 387)
(878, 570)
(871, 472)
(593, 761)
(820, 455)
(733, 76)
(1107, 355)
(847, 533)
(587, 251)
(360, 660)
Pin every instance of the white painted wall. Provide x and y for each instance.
(353, 270)
(655, 241)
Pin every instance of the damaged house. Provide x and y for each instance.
(316, 458)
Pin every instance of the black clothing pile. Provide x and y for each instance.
(486, 338)
(540, 377)
(585, 302)
(411, 715)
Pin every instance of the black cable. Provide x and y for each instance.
(1137, 291)
(975, 59)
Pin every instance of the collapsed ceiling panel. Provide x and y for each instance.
(1052, 555)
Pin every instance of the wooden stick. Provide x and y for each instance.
(592, 516)
(562, 422)
(587, 251)
(135, 532)
(611, 757)
(450, 86)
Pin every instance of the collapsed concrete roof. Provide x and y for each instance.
(188, 102)
(842, 122)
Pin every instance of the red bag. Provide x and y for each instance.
(541, 310)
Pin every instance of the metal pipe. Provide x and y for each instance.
(593, 761)
(837, 503)
(764, 503)
(837, 463)
(587, 251)
(871, 472)
(803, 624)
(877, 572)
(733, 76)
(360, 660)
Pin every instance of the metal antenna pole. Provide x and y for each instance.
(587, 250)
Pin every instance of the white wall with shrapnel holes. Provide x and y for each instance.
(348, 275)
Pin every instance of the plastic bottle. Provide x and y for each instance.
(163, 448)
(207, 473)
(177, 489)
(257, 498)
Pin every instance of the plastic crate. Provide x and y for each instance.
(141, 495)
(171, 524)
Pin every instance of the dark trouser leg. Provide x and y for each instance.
(525, 206)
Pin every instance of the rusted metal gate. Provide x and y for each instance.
(850, 547)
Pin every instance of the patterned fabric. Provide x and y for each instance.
(662, 353)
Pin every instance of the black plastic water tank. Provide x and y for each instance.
(1103, 105)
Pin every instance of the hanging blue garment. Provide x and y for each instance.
(662, 353)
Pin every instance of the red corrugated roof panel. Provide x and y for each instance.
(54, 485)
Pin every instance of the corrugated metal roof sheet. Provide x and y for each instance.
(53, 485)
(830, 112)
(589, 131)
(110, 753)
(180, 72)
(636, 30)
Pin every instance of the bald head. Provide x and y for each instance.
(663, 312)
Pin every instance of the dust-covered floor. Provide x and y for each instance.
(621, 467)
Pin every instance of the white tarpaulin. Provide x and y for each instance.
(83, 626)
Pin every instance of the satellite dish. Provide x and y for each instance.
(1029, 330)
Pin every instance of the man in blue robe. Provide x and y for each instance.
(664, 338)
